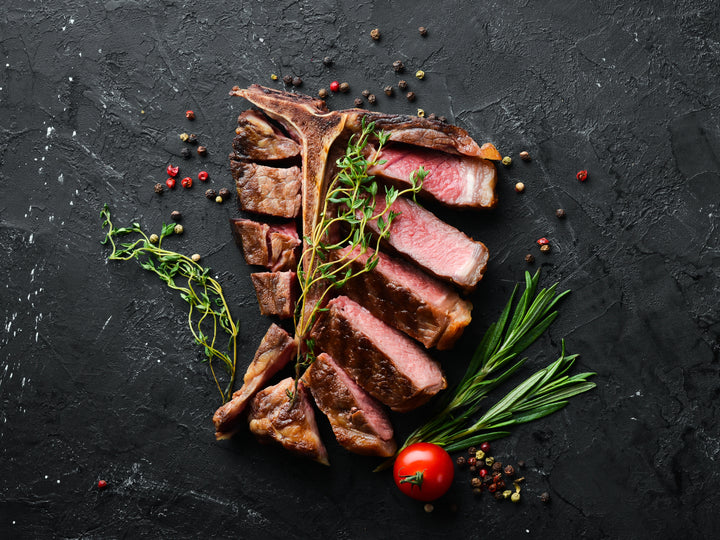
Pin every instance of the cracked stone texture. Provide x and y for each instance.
(99, 377)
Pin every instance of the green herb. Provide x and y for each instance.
(348, 209)
(492, 364)
(209, 315)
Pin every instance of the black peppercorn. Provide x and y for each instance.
(461, 461)
(560, 213)
(475, 482)
(496, 466)
(358, 102)
(375, 34)
(545, 497)
(398, 66)
(344, 87)
(423, 31)
(175, 215)
(472, 451)
(186, 153)
(510, 470)
(473, 468)
(410, 96)
(498, 496)
(442, 119)
(477, 491)
(201, 150)
(388, 90)
(323, 93)
(287, 79)
(402, 85)
(192, 139)
(372, 99)
(328, 61)
(159, 188)
(224, 193)
(210, 194)
(529, 258)
(297, 81)
(365, 93)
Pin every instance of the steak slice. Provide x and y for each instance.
(401, 295)
(276, 293)
(275, 351)
(440, 248)
(387, 364)
(258, 140)
(271, 246)
(273, 418)
(267, 190)
(359, 422)
(452, 179)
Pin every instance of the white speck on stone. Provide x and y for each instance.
(61, 178)
(71, 21)
(71, 203)
(46, 477)
(63, 28)
(70, 79)
(262, 40)
(598, 85)
(32, 237)
(79, 54)
(74, 133)
(638, 393)
(58, 481)
(7, 65)
(49, 131)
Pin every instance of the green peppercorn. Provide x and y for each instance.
(515, 497)
(218, 199)
(154, 238)
(178, 229)
(421, 113)
(507, 160)
(184, 137)
(420, 74)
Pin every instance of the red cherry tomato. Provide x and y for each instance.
(423, 471)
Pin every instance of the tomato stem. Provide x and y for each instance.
(413, 479)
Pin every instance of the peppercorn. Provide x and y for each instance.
(192, 138)
(498, 496)
(492, 488)
(195, 257)
(159, 189)
(472, 461)
(515, 497)
(323, 93)
(388, 90)
(102, 484)
(184, 137)
(334, 86)
(273, 77)
(461, 461)
(186, 182)
(190, 115)
(372, 99)
(210, 194)
(420, 74)
(496, 466)
(524, 155)
(186, 153)
(507, 160)
(506, 493)
(297, 81)
(170, 183)
(501, 484)
(582, 175)
(545, 248)
(423, 31)
(287, 79)
(410, 96)
(519, 187)
(509, 470)
(542, 241)
(178, 229)
(475, 482)
(375, 34)
(496, 477)
(442, 119)
(402, 85)
(473, 468)
(398, 66)
(545, 497)
(358, 102)
(421, 113)
(560, 213)
(472, 450)
(489, 461)
(480, 454)
(224, 193)
(365, 93)
(154, 238)
(327, 61)
(201, 150)
(485, 447)
(529, 258)
(218, 199)
(203, 176)
(175, 215)
(172, 170)
(483, 473)
(344, 87)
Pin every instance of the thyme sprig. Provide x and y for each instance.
(348, 209)
(457, 425)
(208, 315)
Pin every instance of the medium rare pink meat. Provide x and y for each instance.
(284, 245)
(359, 422)
(267, 190)
(273, 417)
(406, 298)
(440, 248)
(257, 139)
(388, 365)
(276, 293)
(452, 179)
(272, 246)
(273, 354)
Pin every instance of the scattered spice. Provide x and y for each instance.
(388, 90)
(461, 461)
(529, 258)
(102, 484)
(483, 472)
(186, 182)
(210, 194)
(489, 461)
(159, 189)
(224, 193)
(492, 488)
(560, 213)
(203, 176)
(410, 96)
(496, 466)
(184, 137)
(545, 248)
(509, 470)
(485, 447)
(475, 482)
(545, 497)
(365, 93)
(196, 257)
(273, 77)
(472, 450)
(186, 153)
(372, 99)
(507, 161)
(421, 113)
(506, 494)
(420, 74)
(287, 79)
(172, 170)
(344, 87)
(192, 138)
(375, 34)
(515, 497)
(479, 454)
(297, 81)
(542, 241)
(402, 85)
(170, 183)
(178, 229)
(429, 508)
(218, 199)
(582, 175)
(175, 215)
(423, 31)
(524, 155)
(323, 93)
(154, 238)
(519, 187)
(190, 115)
(334, 86)
(327, 61)
(201, 150)
(358, 102)
(398, 66)
(472, 461)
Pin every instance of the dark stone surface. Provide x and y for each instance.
(100, 379)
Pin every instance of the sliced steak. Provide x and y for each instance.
(401, 295)
(276, 293)
(267, 190)
(453, 180)
(275, 351)
(284, 246)
(273, 418)
(359, 422)
(387, 364)
(440, 248)
(272, 246)
(258, 140)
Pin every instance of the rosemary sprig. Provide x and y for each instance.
(348, 208)
(492, 364)
(209, 314)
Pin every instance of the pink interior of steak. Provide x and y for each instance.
(407, 356)
(371, 408)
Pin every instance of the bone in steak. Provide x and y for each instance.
(276, 292)
(453, 180)
(389, 365)
(273, 417)
(440, 248)
(258, 140)
(267, 190)
(275, 351)
(272, 246)
(404, 297)
(359, 422)
(284, 245)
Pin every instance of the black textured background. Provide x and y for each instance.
(98, 375)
